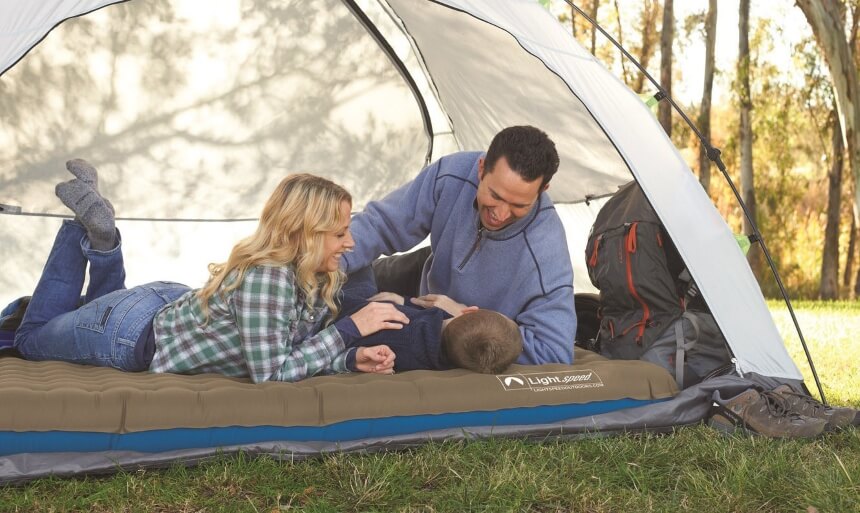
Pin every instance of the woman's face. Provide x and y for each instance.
(337, 242)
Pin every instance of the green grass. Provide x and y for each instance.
(694, 469)
(832, 333)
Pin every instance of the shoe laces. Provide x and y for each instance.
(805, 399)
(778, 406)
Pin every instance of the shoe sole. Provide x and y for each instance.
(727, 428)
(730, 429)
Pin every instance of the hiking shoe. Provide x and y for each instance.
(763, 413)
(805, 405)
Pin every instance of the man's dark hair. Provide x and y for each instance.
(529, 152)
(482, 341)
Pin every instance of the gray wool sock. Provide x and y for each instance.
(85, 171)
(93, 211)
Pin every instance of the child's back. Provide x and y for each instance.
(483, 341)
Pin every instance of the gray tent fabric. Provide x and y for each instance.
(185, 103)
(484, 101)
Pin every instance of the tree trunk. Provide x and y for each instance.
(849, 257)
(854, 43)
(829, 288)
(745, 95)
(648, 25)
(594, 5)
(827, 20)
(624, 74)
(755, 256)
(857, 279)
(705, 111)
(667, 35)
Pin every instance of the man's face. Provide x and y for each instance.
(503, 196)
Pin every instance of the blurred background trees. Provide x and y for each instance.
(780, 97)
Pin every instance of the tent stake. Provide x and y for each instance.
(714, 156)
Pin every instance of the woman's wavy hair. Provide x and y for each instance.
(291, 231)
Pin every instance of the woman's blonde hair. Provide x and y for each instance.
(292, 229)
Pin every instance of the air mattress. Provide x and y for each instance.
(66, 419)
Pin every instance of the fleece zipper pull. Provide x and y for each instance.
(475, 247)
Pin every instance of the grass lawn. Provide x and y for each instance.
(694, 469)
(832, 333)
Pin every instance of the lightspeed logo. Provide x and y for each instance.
(510, 380)
(548, 381)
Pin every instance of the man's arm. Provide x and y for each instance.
(548, 327)
(548, 320)
(395, 223)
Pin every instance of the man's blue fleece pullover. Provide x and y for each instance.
(523, 270)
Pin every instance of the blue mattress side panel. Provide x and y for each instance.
(162, 440)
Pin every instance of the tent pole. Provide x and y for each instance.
(714, 156)
(401, 68)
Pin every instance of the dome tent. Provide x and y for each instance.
(193, 115)
(187, 119)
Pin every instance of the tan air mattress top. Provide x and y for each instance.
(45, 396)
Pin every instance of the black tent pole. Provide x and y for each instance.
(714, 156)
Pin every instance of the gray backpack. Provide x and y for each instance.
(647, 310)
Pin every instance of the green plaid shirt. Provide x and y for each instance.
(264, 329)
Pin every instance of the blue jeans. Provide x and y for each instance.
(106, 329)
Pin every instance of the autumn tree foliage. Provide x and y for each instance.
(772, 120)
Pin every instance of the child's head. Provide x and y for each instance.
(482, 341)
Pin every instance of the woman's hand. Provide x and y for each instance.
(378, 316)
(376, 359)
(390, 297)
(443, 302)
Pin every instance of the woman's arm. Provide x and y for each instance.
(268, 319)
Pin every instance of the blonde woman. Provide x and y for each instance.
(265, 314)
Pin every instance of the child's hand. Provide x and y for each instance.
(376, 359)
(443, 302)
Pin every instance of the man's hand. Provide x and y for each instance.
(376, 359)
(389, 297)
(444, 302)
(378, 316)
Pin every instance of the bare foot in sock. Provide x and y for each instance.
(92, 211)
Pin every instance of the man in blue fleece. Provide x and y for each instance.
(497, 241)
